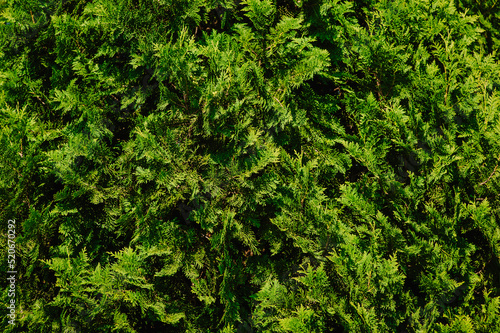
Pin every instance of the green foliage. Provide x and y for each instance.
(248, 166)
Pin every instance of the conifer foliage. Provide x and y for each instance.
(251, 166)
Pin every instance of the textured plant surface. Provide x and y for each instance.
(251, 166)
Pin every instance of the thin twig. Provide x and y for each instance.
(40, 100)
(487, 180)
(278, 101)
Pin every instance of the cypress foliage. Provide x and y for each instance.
(251, 166)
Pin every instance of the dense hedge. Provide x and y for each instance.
(251, 166)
